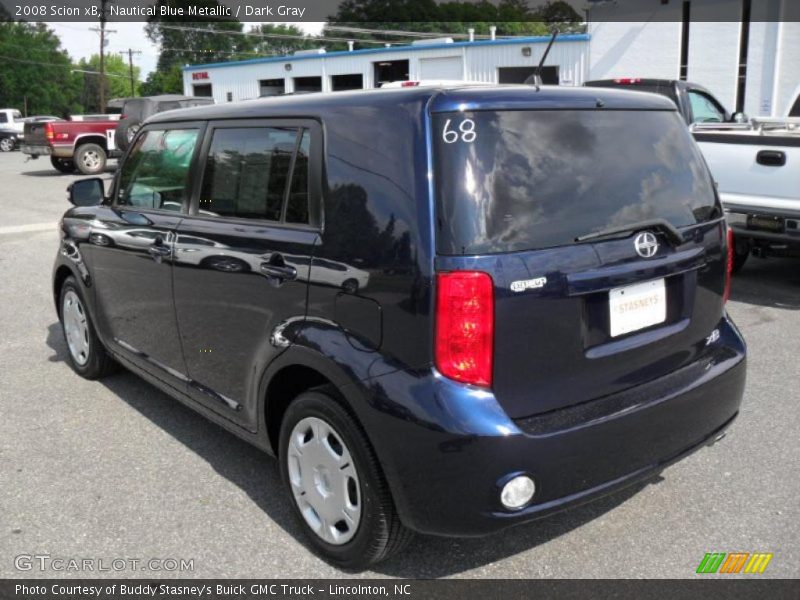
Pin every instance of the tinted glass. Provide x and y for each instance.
(522, 180)
(297, 207)
(704, 110)
(155, 173)
(3, 117)
(247, 172)
(795, 110)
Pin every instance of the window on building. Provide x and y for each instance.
(271, 87)
(202, 89)
(304, 85)
(704, 109)
(248, 171)
(354, 81)
(390, 70)
(155, 173)
(550, 74)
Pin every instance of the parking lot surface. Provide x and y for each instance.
(117, 469)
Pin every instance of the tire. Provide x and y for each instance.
(377, 532)
(87, 356)
(350, 285)
(741, 250)
(90, 159)
(125, 132)
(6, 145)
(62, 165)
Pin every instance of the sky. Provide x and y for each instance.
(80, 42)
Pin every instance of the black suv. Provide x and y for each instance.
(445, 310)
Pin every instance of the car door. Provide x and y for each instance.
(130, 250)
(239, 289)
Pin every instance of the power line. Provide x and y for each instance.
(269, 35)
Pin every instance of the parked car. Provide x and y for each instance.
(757, 169)
(9, 139)
(11, 118)
(85, 145)
(548, 324)
(695, 103)
(136, 110)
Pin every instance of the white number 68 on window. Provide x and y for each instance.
(467, 129)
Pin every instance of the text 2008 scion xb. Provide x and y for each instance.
(444, 310)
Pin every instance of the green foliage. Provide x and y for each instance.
(36, 69)
(169, 81)
(265, 46)
(118, 83)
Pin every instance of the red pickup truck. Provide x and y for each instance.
(86, 145)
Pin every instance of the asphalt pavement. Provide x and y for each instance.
(116, 469)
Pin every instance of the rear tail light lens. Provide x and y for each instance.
(409, 84)
(48, 131)
(464, 340)
(728, 266)
(627, 80)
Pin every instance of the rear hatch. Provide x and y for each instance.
(604, 239)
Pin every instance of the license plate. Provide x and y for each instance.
(765, 223)
(637, 306)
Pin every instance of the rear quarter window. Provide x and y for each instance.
(521, 180)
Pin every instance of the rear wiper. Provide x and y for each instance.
(662, 225)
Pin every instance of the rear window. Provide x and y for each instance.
(523, 180)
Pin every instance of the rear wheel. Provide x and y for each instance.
(338, 490)
(63, 165)
(86, 354)
(90, 159)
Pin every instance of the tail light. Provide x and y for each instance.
(628, 80)
(409, 84)
(728, 266)
(48, 131)
(464, 339)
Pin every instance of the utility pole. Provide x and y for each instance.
(131, 52)
(103, 31)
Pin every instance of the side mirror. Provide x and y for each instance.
(740, 117)
(86, 192)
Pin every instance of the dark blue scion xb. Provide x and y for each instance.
(444, 309)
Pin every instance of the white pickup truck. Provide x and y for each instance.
(757, 169)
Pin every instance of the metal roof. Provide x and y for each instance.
(570, 37)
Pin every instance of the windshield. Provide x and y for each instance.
(522, 180)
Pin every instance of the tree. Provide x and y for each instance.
(274, 44)
(36, 71)
(118, 84)
(183, 43)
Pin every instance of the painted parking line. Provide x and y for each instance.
(30, 228)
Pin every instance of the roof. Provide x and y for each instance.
(570, 37)
(440, 99)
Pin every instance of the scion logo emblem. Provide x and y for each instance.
(646, 245)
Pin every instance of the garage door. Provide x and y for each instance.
(448, 67)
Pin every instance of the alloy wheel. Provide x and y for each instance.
(76, 327)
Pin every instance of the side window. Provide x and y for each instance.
(704, 109)
(155, 173)
(297, 206)
(247, 174)
(795, 110)
(3, 117)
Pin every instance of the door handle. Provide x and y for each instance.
(159, 249)
(286, 272)
(771, 158)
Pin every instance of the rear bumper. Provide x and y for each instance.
(35, 150)
(447, 457)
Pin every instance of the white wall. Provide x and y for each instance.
(634, 49)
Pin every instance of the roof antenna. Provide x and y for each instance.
(537, 76)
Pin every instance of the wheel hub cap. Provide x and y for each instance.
(76, 327)
(324, 480)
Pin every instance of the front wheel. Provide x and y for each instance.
(90, 159)
(6, 145)
(87, 356)
(62, 165)
(338, 490)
